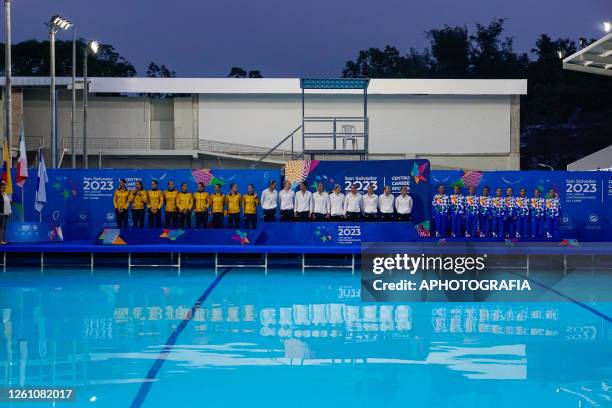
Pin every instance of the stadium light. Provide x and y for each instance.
(607, 25)
(560, 54)
(93, 47)
(56, 23)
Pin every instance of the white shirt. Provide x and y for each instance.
(337, 203)
(385, 203)
(302, 201)
(353, 203)
(403, 204)
(7, 204)
(370, 204)
(320, 203)
(269, 199)
(286, 199)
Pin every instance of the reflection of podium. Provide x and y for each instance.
(335, 135)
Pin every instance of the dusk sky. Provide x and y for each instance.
(201, 38)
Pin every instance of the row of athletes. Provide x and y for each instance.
(302, 205)
(496, 216)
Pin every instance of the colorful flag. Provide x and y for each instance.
(6, 170)
(41, 183)
(22, 164)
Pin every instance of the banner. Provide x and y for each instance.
(586, 196)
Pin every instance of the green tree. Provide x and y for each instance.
(450, 48)
(237, 72)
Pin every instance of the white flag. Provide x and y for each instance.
(22, 164)
(41, 184)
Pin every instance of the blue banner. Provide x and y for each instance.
(585, 196)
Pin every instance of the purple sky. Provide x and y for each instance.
(290, 38)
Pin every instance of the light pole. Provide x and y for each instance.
(8, 100)
(73, 111)
(92, 47)
(57, 22)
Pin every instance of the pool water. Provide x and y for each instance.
(293, 340)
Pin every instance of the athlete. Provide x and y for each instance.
(336, 201)
(184, 205)
(353, 204)
(440, 208)
(155, 202)
(403, 205)
(537, 209)
(319, 205)
(553, 214)
(471, 213)
(498, 213)
(522, 212)
(287, 202)
(484, 215)
(121, 202)
(201, 204)
(249, 207)
(511, 213)
(232, 200)
(303, 202)
(370, 205)
(170, 212)
(217, 207)
(457, 211)
(386, 203)
(269, 201)
(138, 198)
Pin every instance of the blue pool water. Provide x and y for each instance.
(288, 340)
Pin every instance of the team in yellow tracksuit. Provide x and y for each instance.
(170, 210)
(201, 204)
(217, 204)
(138, 198)
(232, 200)
(184, 205)
(121, 202)
(249, 207)
(155, 201)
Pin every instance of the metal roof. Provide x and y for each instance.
(334, 83)
(595, 58)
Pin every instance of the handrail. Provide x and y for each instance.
(269, 152)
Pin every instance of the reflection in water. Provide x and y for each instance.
(100, 336)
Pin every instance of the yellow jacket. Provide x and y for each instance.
(138, 199)
(216, 202)
(121, 199)
(170, 199)
(233, 203)
(201, 201)
(249, 204)
(155, 199)
(184, 201)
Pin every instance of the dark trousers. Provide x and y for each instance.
(269, 215)
(4, 220)
(286, 215)
(386, 216)
(201, 219)
(370, 216)
(403, 217)
(122, 218)
(171, 219)
(234, 220)
(353, 216)
(250, 221)
(217, 220)
(319, 216)
(302, 216)
(337, 218)
(184, 220)
(138, 218)
(154, 219)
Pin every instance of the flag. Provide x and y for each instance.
(6, 170)
(22, 164)
(41, 183)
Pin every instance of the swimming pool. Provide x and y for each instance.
(287, 339)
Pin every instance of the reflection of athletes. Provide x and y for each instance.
(121, 202)
(457, 211)
(537, 209)
(403, 205)
(472, 211)
(498, 212)
(440, 208)
(553, 214)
